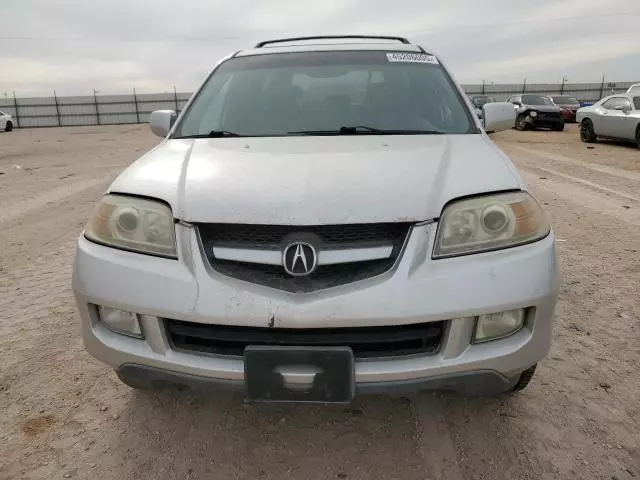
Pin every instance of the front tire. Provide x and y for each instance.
(638, 136)
(521, 123)
(587, 133)
(524, 380)
(559, 127)
(8, 127)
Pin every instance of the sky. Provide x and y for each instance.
(76, 46)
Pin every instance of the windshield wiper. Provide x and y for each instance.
(358, 129)
(213, 134)
(365, 130)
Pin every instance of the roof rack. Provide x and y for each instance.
(334, 37)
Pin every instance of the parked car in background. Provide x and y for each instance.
(536, 111)
(6, 122)
(614, 117)
(479, 101)
(306, 238)
(569, 106)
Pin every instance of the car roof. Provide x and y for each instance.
(332, 43)
(615, 95)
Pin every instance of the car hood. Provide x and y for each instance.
(543, 108)
(318, 180)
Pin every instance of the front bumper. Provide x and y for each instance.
(417, 290)
(545, 122)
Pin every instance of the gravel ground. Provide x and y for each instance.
(65, 415)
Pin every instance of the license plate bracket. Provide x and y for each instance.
(299, 374)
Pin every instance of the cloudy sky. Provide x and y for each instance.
(73, 46)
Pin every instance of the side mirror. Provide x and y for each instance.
(162, 121)
(498, 116)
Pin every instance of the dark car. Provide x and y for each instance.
(569, 106)
(479, 101)
(536, 111)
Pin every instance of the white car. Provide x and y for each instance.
(634, 90)
(323, 219)
(6, 122)
(616, 117)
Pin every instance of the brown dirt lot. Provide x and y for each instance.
(65, 415)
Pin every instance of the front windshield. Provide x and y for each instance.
(536, 100)
(479, 101)
(566, 101)
(322, 92)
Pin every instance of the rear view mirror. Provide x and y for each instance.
(498, 116)
(162, 121)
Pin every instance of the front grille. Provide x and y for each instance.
(234, 235)
(366, 342)
(549, 116)
(328, 236)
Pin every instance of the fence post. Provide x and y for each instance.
(135, 101)
(15, 107)
(601, 87)
(524, 85)
(95, 102)
(175, 98)
(483, 87)
(55, 98)
(562, 87)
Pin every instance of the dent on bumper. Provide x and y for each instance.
(418, 290)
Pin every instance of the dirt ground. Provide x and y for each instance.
(65, 415)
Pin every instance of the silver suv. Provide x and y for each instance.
(326, 217)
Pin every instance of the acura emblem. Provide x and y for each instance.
(299, 259)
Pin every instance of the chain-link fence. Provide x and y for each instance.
(584, 92)
(98, 109)
(95, 109)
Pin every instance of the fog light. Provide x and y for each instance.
(498, 325)
(120, 321)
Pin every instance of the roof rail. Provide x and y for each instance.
(334, 37)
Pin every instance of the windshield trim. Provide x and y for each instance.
(457, 90)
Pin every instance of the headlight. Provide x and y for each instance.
(533, 114)
(489, 223)
(132, 223)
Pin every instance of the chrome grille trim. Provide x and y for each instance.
(325, 256)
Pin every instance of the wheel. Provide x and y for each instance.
(638, 136)
(8, 127)
(521, 123)
(587, 133)
(525, 378)
(559, 127)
